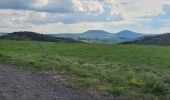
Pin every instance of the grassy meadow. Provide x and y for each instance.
(129, 72)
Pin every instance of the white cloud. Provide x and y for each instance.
(75, 14)
(90, 6)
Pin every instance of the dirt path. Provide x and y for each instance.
(17, 84)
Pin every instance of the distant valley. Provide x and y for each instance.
(92, 36)
(100, 36)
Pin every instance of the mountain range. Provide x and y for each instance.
(100, 36)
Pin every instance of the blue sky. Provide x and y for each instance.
(75, 16)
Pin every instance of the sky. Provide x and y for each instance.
(76, 16)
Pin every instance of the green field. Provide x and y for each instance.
(123, 71)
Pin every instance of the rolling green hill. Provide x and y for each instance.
(32, 36)
(126, 72)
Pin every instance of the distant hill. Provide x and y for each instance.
(128, 34)
(32, 36)
(97, 33)
(163, 39)
(100, 36)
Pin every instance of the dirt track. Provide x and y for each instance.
(16, 84)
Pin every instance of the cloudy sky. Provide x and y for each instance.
(63, 16)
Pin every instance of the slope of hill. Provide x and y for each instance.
(100, 36)
(163, 39)
(34, 37)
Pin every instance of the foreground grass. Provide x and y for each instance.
(127, 72)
